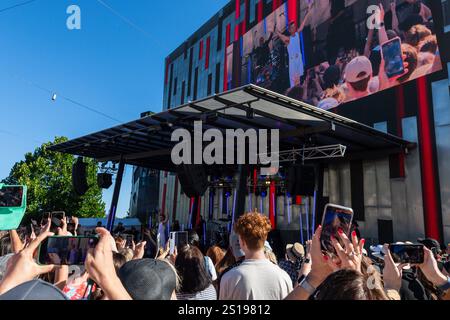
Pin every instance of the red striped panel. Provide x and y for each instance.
(275, 4)
(293, 10)
(298, 200)
(260, 10)
(200, 52)
(208, 52)
(236, 32)
(225, 67)
(429, 186)
(272, 204)
(238, 9)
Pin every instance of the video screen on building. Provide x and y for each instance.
(338, 51)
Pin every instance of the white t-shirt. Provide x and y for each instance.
(255, 280)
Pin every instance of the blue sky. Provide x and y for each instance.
(107, 65)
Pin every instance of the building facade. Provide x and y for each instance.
(397, 198)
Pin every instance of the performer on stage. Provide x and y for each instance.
(292, 42)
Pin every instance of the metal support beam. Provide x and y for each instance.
(115, 199)
(310, 153)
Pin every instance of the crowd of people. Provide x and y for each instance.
(247, 270)
(340, 66)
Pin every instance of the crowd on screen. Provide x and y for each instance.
(248, 269)
(344, 69)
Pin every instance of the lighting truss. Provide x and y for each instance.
(310, 153)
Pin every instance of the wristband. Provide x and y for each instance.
(305, 285)
(446, 286)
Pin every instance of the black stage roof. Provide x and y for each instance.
(147, 142)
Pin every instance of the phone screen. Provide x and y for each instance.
(11, 197)
(65, 250)
(407, 253)
(130, 239)
(178, 240)
(392, 55)
(335, 218)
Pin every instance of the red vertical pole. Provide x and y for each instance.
(429, 174)
(208, 52)
(293, 10)
(272, 198)
(238, 9)
(225, 66)
(200, 51)
(260, 10)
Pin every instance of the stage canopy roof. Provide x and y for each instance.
(146, 142)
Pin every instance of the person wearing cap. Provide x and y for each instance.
(292, 42)
(358, 74)
(295, 254)
(256, 278)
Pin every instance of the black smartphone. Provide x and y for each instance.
(334, 218)
(177, 239)
(56, 218)
(65, 251)
(393, 57)
(407, 253)
(11, 196)
(130, 239)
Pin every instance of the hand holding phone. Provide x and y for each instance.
(177, 240)
(65, 250)
(407, 253)
(393, 57)
(335, 218)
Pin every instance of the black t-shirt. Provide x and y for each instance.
(412, 288)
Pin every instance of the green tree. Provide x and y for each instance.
(48, 176)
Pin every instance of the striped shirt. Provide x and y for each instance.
(207, 294)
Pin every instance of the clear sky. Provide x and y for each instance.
(107, 65)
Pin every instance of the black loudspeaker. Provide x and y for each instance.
(79, 177)
(104, 180)
(290, 180)
(193, 180)
(305, 183)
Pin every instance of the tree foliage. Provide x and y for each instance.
(48, 176)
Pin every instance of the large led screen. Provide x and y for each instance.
(338, 51)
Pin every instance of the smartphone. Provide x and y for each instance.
(56, 218)
(11, 196)
(130, 239)
(177, 239)
(393, 57)
(65, 251)
(407, 253)
(335, 217)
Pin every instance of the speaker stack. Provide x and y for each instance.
(104, 180)
(301, 180)
(79, 177)
(193, 180)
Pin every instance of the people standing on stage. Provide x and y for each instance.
(163, 231)
(292, 42)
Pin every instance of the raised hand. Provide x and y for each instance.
(350, 256)
(22, 266)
